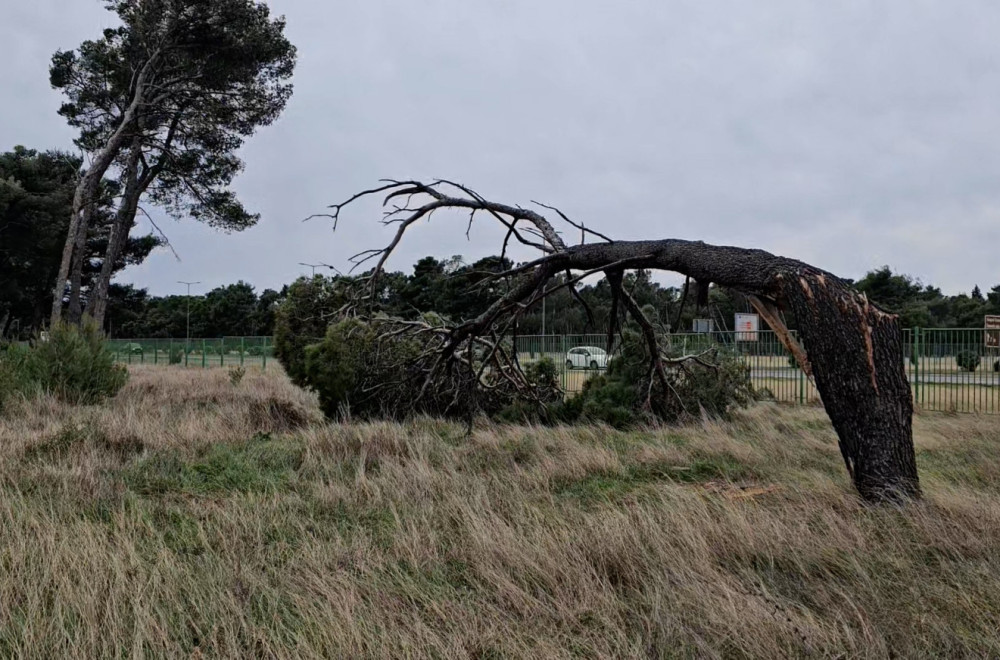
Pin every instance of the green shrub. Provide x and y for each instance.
(354, 371)
(967, 360)
(301, 319)
(378, 368)
(619, 396)
(543, 374)
(75, 364)
(15, 375)
(176, 356)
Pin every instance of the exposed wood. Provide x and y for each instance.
(773, 318)
(851, 348)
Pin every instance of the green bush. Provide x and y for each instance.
(176, 356)
(967, 360)
(75, 364)
(618, 397)
(302, 319)
(378, 369)
(15, 376)
(355, 372)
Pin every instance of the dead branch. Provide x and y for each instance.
(843, 335)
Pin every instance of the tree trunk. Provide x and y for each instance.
(118, 235)
(856, 354)
(853, 349)
(86, 193)
(74, 311)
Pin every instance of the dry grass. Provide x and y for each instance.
(192, 518)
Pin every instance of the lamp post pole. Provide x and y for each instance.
(187, 345)
(313, 266)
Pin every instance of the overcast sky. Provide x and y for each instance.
(847, 134)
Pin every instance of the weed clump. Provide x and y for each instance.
(236, 375)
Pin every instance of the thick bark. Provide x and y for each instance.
(85, 195)
(852, 348)
(74, 310)
(118, 234)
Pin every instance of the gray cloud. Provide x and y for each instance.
(846, 134)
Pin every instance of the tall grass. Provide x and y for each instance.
(189, 517)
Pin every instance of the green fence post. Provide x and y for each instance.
(187, 349)
(156, 352)
(915, 354)
(203, 354)
(243, 343)
(802, 385)
(562, 359)
(222, 352)
(263, 354)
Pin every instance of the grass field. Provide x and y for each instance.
(190, 517)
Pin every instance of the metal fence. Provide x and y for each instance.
(204, 353)
(954, 370)
(772, 371)
(951, 370)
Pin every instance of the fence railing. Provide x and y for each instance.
(204, 353)
(773, 373)
(952, 370)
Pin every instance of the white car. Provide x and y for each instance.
(587, 357)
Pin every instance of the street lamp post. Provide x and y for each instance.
(187, 345)
(313, 266)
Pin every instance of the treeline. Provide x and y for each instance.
(924, 306)
(458, 290)
(36, 199)
(36, 190)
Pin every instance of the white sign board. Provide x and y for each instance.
(702, 326)
(746, 327)
(992, 333)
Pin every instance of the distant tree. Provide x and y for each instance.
(903, 295)
(231, 310)
(36, 193)
(168, 97)
(977, 294)
(425, 289)
(263, 317)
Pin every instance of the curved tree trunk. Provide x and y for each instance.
(853, 349)
(87, 189)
